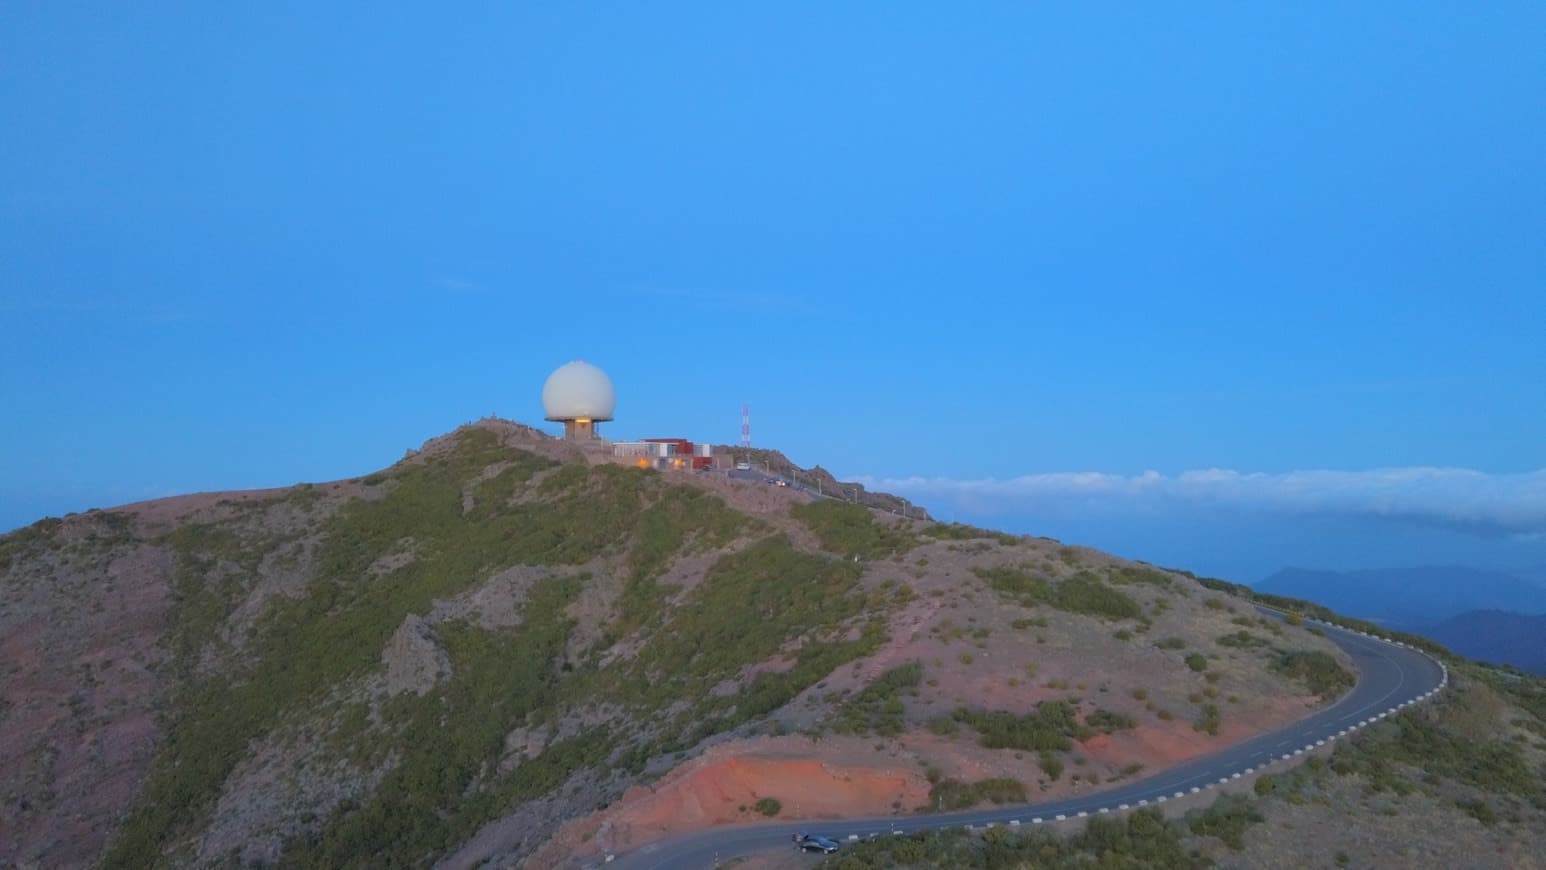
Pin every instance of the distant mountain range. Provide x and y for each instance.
(1496, 636)
(1410, 598)
(1486, 615)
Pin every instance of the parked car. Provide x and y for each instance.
(814, 843)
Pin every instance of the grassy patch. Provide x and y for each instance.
(964, 532)
(1084, 593)
(851, 530)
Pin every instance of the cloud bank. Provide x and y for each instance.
(1456, 497)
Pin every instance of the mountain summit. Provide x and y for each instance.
(506, 649)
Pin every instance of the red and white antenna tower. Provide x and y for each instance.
(746, 425)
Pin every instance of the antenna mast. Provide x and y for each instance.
(746, 425)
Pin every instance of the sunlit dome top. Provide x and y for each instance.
(578, 391)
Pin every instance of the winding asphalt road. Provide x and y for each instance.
(1390, 676)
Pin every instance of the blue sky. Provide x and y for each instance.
(249, 247)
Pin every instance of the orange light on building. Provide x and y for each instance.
(643, 463)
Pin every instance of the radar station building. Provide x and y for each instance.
(579, 395)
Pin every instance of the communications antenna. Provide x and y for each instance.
(746, 425)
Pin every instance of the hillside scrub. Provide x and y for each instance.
(851, 530)
(1208, 720)
(1227, 818)
(1051, 728)
(1083, 593)
(1298, 609)
(878, 707)
(1386, 752)
(1107, 722)
(1142, 839)
(964, 532)
(1317, 670)
(950, 794)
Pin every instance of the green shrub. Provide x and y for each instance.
(1197, 662)
(1050, 764)
(1317, 670)
(1479, 810)
(1106, 721)
(768, 806)
(1208, 720)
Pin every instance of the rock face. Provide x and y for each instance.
(415, 662)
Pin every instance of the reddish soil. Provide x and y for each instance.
(723, 785)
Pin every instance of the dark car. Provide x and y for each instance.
(814, 843)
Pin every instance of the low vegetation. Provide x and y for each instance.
(1052, 727)
(878, 708)
(1142, 839)
(1319, 671)
(950, 794)
(1083, 593)
(1106, 722)
(851, 530)
(768, 806)
(1227, 818)
(1208, 720)
(964, 532)
(1391, 755)
(1242, 639)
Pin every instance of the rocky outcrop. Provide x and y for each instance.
(415, 661)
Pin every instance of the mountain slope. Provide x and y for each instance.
(1411, 597)
(506, 649)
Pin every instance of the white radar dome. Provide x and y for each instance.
(578, 391)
